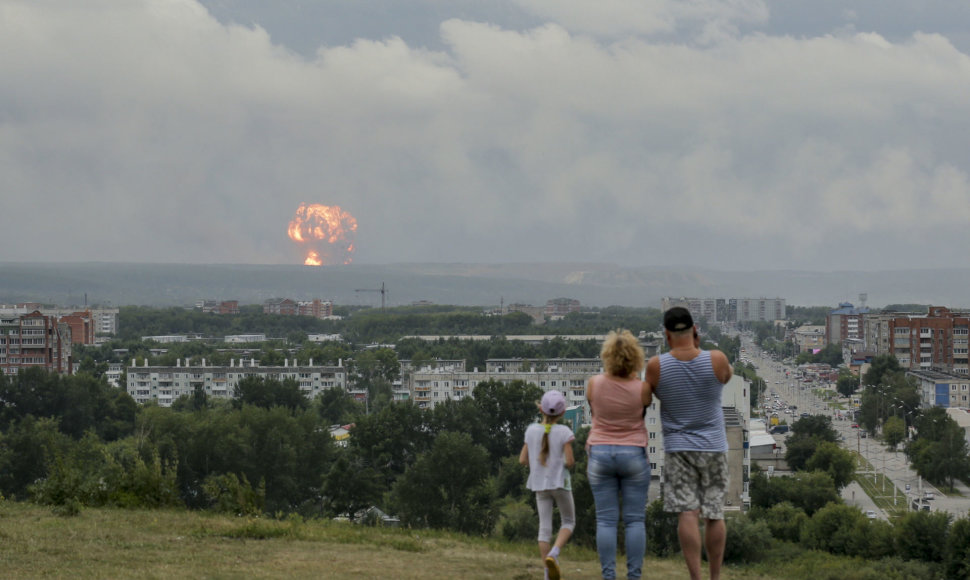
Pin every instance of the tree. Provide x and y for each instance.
(881, 365)
(784, 520)
(940, 452)
(26, 446)
(447, 487)
(895, 393)
(838, 529)
(833, 460)
(350, 485)
(336, 407)
(807, 434)
(894, 432)
(392, 439)
(815, 426)
(748, 540)
(847, 383)
(808, 490)
(957, 560)
(831, 354)
(268, 393)
(834, 529)
(506, 410)
(922, 535)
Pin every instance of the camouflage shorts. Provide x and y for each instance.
(695, 479)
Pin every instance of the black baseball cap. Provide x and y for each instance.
(678, 318)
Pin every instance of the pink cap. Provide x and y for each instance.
(553, 403)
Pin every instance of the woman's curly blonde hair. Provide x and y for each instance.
(622, 354)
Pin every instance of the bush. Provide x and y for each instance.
(227, 494)
(784, 521)
(517, 521)
(747, 540)
(835, 529)
(662, 540)
(922, 536)
(958, 549)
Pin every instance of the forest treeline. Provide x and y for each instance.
(75, 441)
(368, 325)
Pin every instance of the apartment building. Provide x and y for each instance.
(34, 340)
(103, 320)
(286, 307)
(448, 380)
(82, 326)
(844, 324)
(935, 341)
(809, 338)
(316, 308)
(876, 337)
(730, 310)
(709, 309)
(939, 389)
(165, 384)
(559, 307)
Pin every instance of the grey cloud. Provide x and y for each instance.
(172, 135)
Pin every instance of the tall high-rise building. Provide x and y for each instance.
(34, 340)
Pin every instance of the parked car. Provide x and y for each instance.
(928, 495)
(871, 514)
(780, 429)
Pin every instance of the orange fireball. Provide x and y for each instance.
(326, 234)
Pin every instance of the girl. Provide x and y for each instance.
(548, 452)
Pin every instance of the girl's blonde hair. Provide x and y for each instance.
(548, 421)
(622, 354)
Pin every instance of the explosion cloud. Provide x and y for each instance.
(325, 233)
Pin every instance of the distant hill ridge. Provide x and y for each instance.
(593, 284)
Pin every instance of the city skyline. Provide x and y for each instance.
(724, 135)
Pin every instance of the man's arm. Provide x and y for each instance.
(652, 377)
(722, 368)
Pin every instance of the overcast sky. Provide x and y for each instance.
(732, 134)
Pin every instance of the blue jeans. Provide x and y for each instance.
(618, 472)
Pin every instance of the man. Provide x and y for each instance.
(689, 382)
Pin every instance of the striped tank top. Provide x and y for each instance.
(690, 404)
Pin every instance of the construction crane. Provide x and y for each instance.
(382, 290)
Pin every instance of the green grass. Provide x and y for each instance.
(874, 484)
(123, 544)
(164, 544)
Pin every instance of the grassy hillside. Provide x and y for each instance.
(104, 543)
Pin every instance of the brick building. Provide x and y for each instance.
(34, 340)
(934, 341)
(316, 308)
(83, 326)
(559, 307)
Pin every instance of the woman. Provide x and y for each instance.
(618, 467)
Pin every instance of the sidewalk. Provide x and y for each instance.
(854, 495)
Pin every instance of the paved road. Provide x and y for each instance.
(906, 484)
